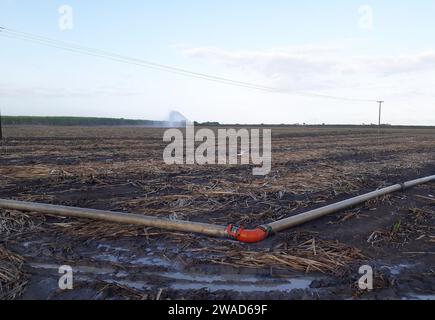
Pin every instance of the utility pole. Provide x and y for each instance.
(379, 122)
(380, 111)
(1, 131)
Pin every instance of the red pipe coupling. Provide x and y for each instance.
(247, 235)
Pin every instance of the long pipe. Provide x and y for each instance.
(232, 231)
(284, 224)
(120, 217)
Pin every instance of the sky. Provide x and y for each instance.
(364, 50)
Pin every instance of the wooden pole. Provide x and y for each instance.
(1, 129)
(380, 112)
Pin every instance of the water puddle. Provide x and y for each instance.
(424, 297)
(288, 286)
(186, 281)
(108, 258)
(79, 269)
(142, 261)
(28, 244)
(398, 269)
(138, 285)
(151, 261)
(291, 284)
(108, 247)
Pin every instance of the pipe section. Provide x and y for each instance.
(290, 222)
(119, 217)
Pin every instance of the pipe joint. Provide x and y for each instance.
(241, 234)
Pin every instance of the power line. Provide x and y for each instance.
(112, 56)
(75, 48)
(119, 58)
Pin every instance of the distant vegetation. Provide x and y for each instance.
(77, 121)
(89, 121)
(206, 123)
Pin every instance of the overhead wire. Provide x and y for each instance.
(75, 48)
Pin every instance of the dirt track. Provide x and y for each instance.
(122, 169)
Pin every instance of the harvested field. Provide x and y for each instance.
(121, 169)
(12, 277)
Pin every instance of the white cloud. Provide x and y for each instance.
(300, 68)
(274, 62)
(391, 65)
(315, 67)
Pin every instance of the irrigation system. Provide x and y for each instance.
(231, 231)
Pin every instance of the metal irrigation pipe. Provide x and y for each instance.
(232, 231)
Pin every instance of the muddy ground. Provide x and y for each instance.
(121, 169)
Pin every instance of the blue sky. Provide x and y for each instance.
(310, 46)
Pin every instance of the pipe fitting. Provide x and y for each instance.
(241, 234)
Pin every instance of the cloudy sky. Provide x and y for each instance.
(363, 50)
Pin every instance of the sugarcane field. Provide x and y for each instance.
(121, 169)
(205, 159)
